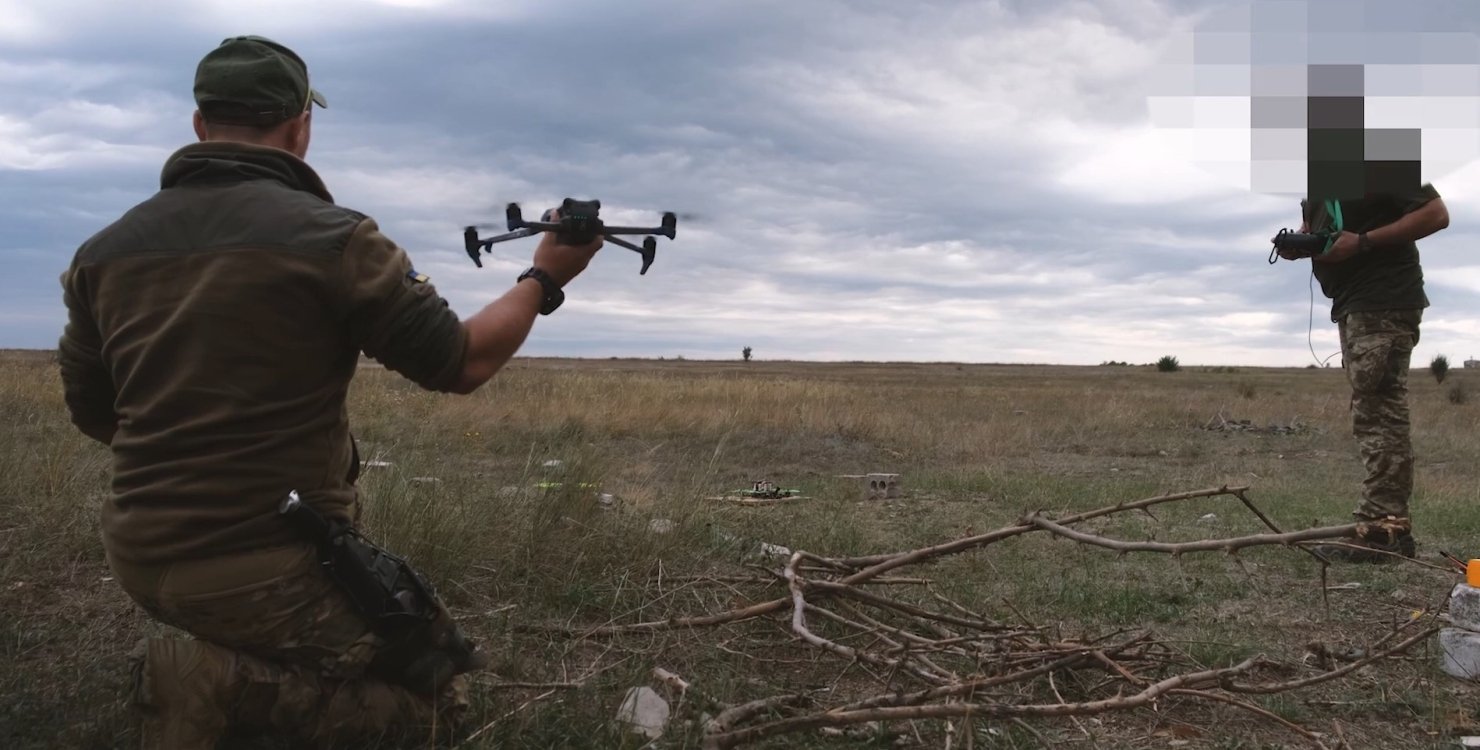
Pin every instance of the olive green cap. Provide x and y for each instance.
(251, 80)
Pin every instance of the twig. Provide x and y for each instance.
(1202, 545)
(1251, 708)
(838, 718)
(533, 685)
(1280, 687)
(490, 724)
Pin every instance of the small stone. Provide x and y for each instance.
(661, 526)
(1208, 518)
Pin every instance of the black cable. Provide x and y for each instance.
(1310, 328)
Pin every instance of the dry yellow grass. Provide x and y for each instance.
(978, 445)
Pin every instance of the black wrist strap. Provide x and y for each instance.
(554, 295)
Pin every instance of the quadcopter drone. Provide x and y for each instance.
(767, 490)
(579, 223)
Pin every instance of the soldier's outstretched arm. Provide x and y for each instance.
(499, 329)
(396, 316)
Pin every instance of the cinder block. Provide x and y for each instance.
(1464, 607)
(881, 485)
(877, 485)
(1460, 651)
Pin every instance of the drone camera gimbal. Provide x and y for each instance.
(578, 223)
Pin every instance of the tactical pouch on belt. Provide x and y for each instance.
(400, 604)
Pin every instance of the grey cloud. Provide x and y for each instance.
(860, 172)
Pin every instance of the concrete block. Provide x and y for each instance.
(876, 486)
(1460, 653)
(882, 485)
(1464, 607)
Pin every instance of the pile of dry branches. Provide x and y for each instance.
(935, 658)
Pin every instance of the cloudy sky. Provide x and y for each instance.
(870, 179)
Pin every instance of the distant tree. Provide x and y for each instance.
(1168, 364)
(745, 353)
(1440, 368)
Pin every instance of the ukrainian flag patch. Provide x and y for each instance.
(419, 278)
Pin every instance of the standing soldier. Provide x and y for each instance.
(1376, 212)
(212, 335)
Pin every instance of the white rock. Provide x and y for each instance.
(1464, 607)
(661, 526)
(1209, 518)
(644, 711)
(1461, 653)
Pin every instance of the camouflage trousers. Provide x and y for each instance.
(278, 650)
(1375, 349)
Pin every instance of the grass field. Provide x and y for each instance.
(977, 446)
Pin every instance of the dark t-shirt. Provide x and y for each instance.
(1386, 278)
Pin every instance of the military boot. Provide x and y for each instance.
(182, 692)
(1381, 540)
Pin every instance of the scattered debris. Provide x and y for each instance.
(775, 550)
(1220, 423)
(940, 658)
(644, 711)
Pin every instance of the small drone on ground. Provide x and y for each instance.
(767, 490)
(761, 493)
(579, 223)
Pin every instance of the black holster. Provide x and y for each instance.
(424, 645)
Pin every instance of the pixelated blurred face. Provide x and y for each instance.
(1331, 99)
